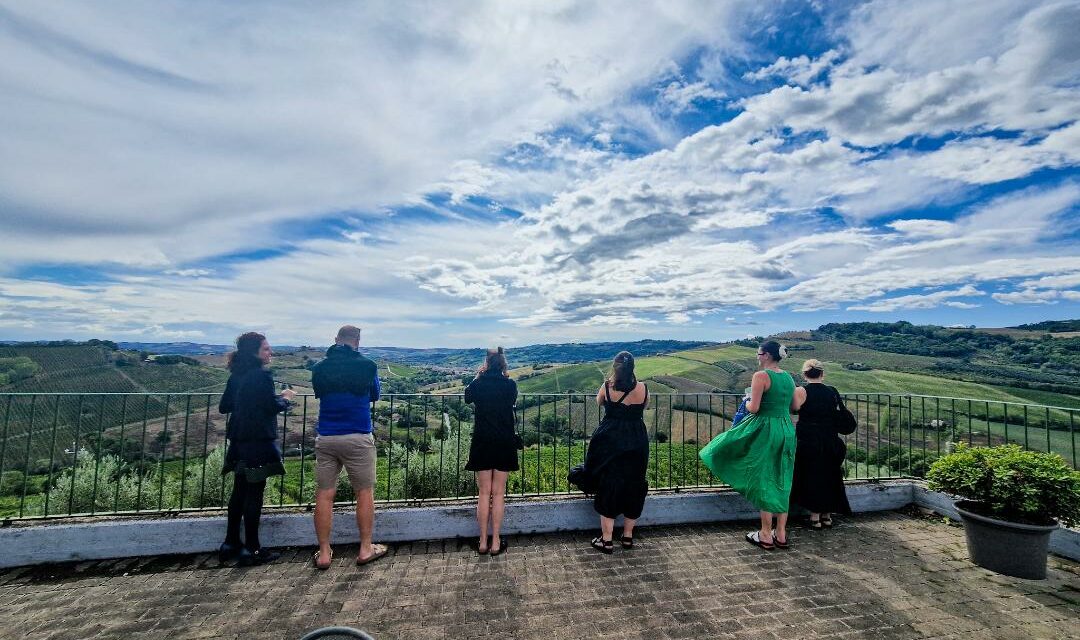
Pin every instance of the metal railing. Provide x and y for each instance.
(106, 454)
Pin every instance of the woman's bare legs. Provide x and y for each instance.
(497, 488)
(607, 528)
(765, 534)
(781, 528)
(483, 505)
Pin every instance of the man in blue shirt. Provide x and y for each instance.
(346, 384)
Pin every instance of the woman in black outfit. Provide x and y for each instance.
(493, 451)
(253, 454)
(818, 482)
(618, 455)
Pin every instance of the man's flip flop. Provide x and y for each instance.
(754, 538)
(315, 561)
(380, 551)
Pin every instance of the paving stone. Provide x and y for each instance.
(884, 576)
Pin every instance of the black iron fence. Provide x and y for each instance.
(105, 454)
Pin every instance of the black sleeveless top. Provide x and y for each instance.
(616, 410)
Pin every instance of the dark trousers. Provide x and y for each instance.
(245, 504)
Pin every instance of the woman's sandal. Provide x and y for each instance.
(501, 550)
(754, 538)
(827, 522)
(816, 524)
(315, 561)
(483, 552)
(780, 545)
(606, 546)
(627, 542)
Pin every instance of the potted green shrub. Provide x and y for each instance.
(1011, 501)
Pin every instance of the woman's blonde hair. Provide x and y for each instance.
(813, 369)
(495, 360)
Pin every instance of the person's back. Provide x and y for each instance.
(776, 401)
(346, 383)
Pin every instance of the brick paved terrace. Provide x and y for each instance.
(882, 575)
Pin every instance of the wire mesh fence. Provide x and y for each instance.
(104, 454)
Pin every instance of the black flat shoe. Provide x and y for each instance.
(229, 552)
(604, 546)
(502, 549)
(826, 522)
(255, 558)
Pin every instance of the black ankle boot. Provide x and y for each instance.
(228, 552)
(257, 557)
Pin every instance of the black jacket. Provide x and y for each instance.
(252, 405)
(343, 370)
(494, 396)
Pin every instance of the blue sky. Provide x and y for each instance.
(466, 174)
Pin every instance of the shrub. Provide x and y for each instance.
(115, 487)
(11, 483)
(1010, 483)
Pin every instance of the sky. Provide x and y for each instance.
(474, 173)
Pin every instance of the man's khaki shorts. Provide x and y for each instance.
(354, 451)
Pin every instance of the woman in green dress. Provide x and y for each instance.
(757, 456)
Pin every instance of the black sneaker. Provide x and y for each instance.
(228, 552)
(253, 558)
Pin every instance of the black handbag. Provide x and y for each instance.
(519, 442)
(846, 424)
(581, 478)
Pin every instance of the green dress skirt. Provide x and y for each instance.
(757, 456)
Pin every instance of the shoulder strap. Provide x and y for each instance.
(607, 391)
(623, 397)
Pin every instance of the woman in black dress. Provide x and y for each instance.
(253, 454)
(493, 451)
(818, 482)
(618, 456)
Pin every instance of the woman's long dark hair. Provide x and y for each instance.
(495, 362)
(246, 355)
(622, 376)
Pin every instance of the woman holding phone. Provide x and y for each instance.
(253, 454)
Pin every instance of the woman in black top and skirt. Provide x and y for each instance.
(253, 454)
(493, 451)
(618, 456)
(818, 481)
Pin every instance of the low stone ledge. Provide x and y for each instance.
(44, 542)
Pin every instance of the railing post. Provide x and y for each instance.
(75, 456)
(26, 463)
(52, 452)
(123, 450)
(183, 455)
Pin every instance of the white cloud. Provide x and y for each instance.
(1027, 296)
(681, 96)
(805, 200)
(922, 301)
(180, 122)
(800, 70)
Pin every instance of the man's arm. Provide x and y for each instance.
(376, 388)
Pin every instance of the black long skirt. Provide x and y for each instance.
(818, 481)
